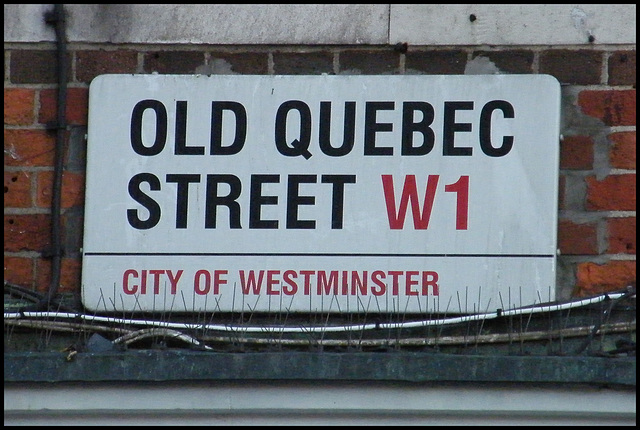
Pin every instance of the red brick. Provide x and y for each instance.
(176, 62)
(19, 271)
(614, 108)
(435, 62)
(562, 181)
(90, 64)
(310, 63)
(17, 189)
(29, 148)
(575, 67)
(70, 273)
(368, 62)
(576, 153)
(77, 106)
(622, 235)
(622, 68)
(35, 66)
(594, 279)
(72, 189)
(18, 106)
(613, 193)
(27, 232)
(623, 151)
(511, 62)
(577, 239)
(246, 63)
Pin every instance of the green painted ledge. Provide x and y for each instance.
(180, 365)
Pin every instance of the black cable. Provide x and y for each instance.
(631, 290)
(23, 293)
(20, 292)
(57, 18)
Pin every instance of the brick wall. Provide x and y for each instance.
(597, 218)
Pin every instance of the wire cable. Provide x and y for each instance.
(324, 329)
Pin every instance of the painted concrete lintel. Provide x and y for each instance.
(330, 24)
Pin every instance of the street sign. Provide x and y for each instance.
(413, 193)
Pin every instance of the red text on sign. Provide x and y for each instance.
(136, 282)
(409, 196)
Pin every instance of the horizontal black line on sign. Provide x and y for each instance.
(302, 254)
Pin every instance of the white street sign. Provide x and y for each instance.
(413, 193)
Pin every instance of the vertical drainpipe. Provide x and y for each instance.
(57, 18)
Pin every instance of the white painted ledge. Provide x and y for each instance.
(315, 404)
